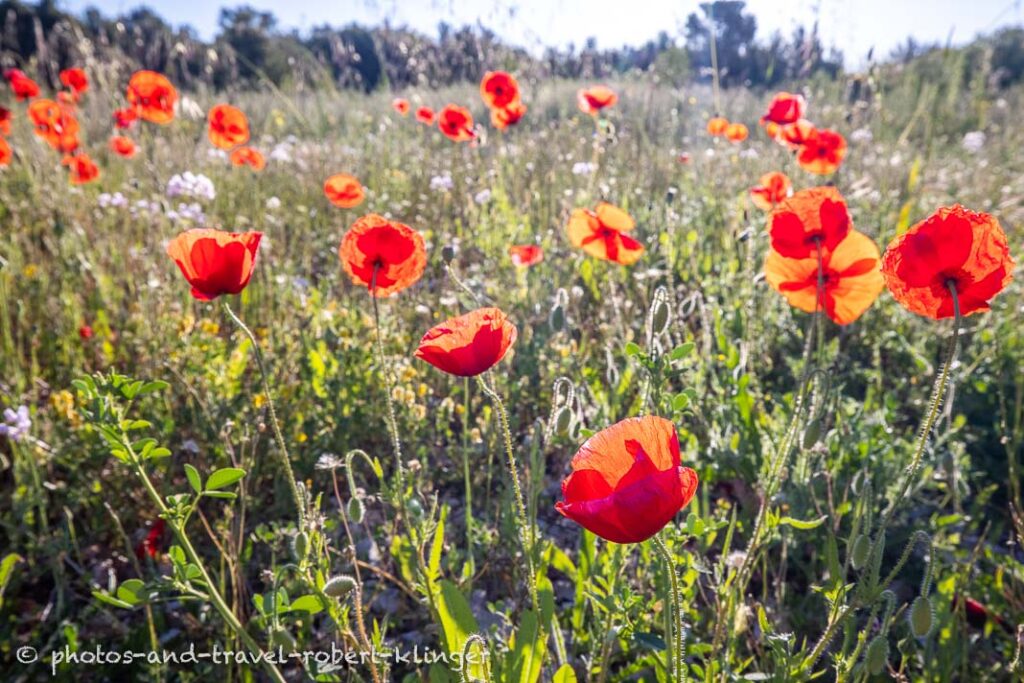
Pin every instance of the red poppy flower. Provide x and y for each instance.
(595, 98)
(152, 96)
(627, 482)
(601, 233)
(736, 132)
(75, 79)
(5, 121)
(55, 124)
(425, 115)
(123, 146)
(809, 219)
(401, 105)
(785, 108)
(382, 255)
(85, 332)
(344, 190)
(24, 88)
(124, 118)
(524, 255)
(215, 262)
(456, 123)
(851, 278)
(247, 156)
(773, 188)
(228, 126)
(952, 246)
(5, 153)
(150, 546)
(469, 344)
(717, 125)
(798, 133)
(823, 152)
(509, 116)
(82, 168)
(499, 89)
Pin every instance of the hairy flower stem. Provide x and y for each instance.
(285, 459)
(385, 370)
(677, 654)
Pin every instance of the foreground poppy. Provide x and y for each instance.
(469, 344)
(227, 126)
(5, 153)
(784, 108)
(384, 256)
(152, 96)
(456, 123)
(812, 218)
(344, 190)
(717, 125)
(401, 105)
(499, 89)
(247, 156)
(524, 255)
(425, 115)
(736, 132)
(509, 116)
(772, 188)
(595, 98)
(954, 246)
(123, 146)
(627, 482)
(55, 124)
(82, 168)
(851, 279)
(124, 118)
(24, 88)
(601, 233)
(823, 152)
(215, 262)
(5, 121)
(75, 79)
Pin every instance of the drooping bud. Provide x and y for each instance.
(356, 510)
(877, 655)
(300, 546)
(859, 551)
(339, 586)
(812, 433)
(922, 617)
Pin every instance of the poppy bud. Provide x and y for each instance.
(448, 253)
(563, 419)
(812, 433)
(556, 319)
(356, 510)
(859, 551)
(660, 312)
(415, 510)
(283, 639)
(339, 586)
(300, 546)
(922, 617)
(877, 655)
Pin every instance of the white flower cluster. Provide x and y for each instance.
(16, 423)
(190, 213)
(188, 184)
(116, 200)
(442, 182)
(583, 168)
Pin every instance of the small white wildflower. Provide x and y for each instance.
(482, 197)
(974, 141)
(862, 135)
(16, 423)
(583, 168)
(273, 203)
(442, 182)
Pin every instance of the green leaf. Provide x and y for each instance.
(436, 547)
(682, 351)
(457, 620)
(802, 525)
(680, 401)
(158, 453)
(110, 599)
(223, 495)
(565, 674)
(224, 477)
(6, 567)
(130, 591)
(307, 603)
(527, 650)
(194, 480)
(633, 349)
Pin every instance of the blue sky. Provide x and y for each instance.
(854, 26)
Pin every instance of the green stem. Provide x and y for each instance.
(385, 371)
(677, 654)
(467, 479)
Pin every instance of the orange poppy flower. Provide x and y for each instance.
(75, 79)
(773, 188)
(5, 153)
(812, 218)
(823, 152)
(215, 262)
(773, 130)
(525, 255)
(456, 123)
(152, 96)
(228, 126)
(123, 146)
(470, 344)
(850, 275)
(383, 255)
(736, 132)
(717, 125)
(425, 115)
(5, 121)
(595, 98)
(248, 156)
(952, 246)
(83, 170)
(124, 118)
(627, 481)
(785, 108)
(401, 105)
(344, 190)
(509, 116)
(24, 88)
(797, 134)
(55, 124)
(499, 89)
(602, 233)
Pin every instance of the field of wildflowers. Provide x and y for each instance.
(541, 381)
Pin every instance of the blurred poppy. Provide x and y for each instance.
(627, 482)
(55, 124)
(953, 246)
(811, 218)
(401, 105)
(823, 152)
(784, 108)
(717, 125)
(151, 545)
(469, 344)
(524, 255)
(248, 156)
(797, 134)
(5, 153)
(5, 121)
(85, 332)
(383, 255)
(82, 168)
(977, 614)
(499, 89)
(773, 130)
(344, 190)
(773, 188)
(425, 115)
(123, 146)
(152, 96)
(227, 126)
(215, 262)
(124, 118)
(684, 158)
(67, 99)
(75, 79)
(736, 132)
(601, 233)
(456, 123)
(595, 98)
(851, 279)
(509, 116)
(24, 88)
